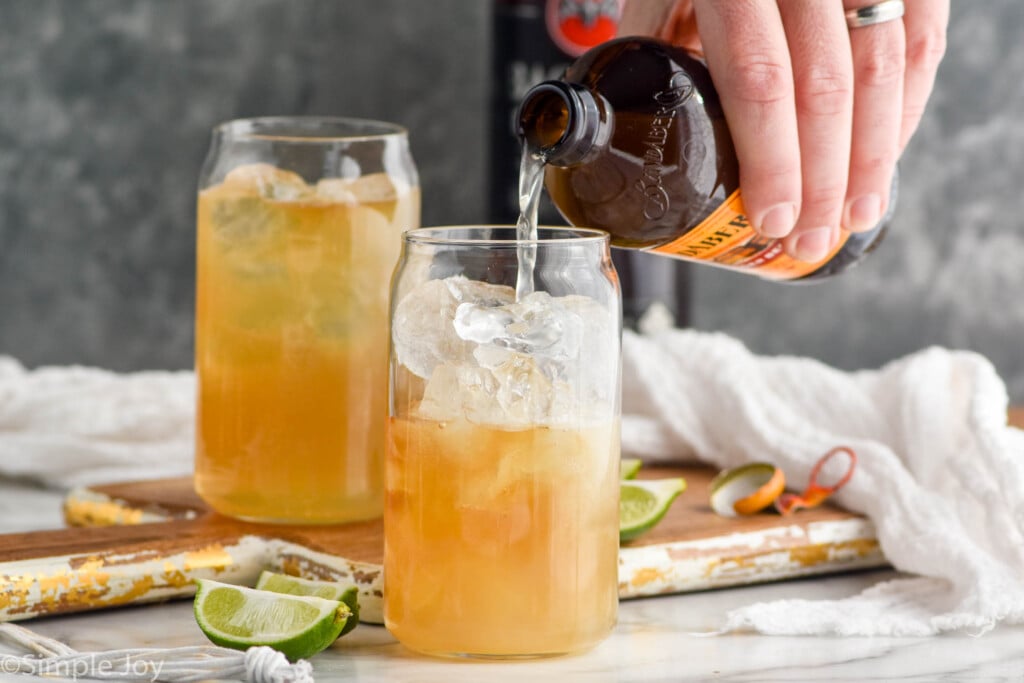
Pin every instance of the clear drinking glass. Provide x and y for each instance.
(502, 470)
(299, 228)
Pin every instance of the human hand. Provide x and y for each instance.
(819, 112)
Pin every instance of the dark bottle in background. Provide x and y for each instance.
(535, 41)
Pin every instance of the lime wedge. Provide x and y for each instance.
(746, 489)
(296, 625)
(629, 467)
(643, 503)
(329, 590)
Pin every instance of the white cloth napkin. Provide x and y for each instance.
(939, 472)
(74, 426)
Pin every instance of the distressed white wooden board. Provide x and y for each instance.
(149, 541)
(748, 557)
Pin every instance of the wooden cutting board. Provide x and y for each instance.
(148, 541)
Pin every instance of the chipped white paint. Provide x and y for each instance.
(67, 583)
(36, 587)
(750, 557)
(85, 507)
(291, 558)
(840, 530)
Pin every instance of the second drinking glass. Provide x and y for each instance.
(300, 223)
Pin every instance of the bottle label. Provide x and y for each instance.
(726, 238)
(575, 26)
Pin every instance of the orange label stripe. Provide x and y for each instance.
(727, 239)
(726, 227)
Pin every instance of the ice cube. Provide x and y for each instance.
(593, 366)
(486, 358)
(380, 191)
(374, 187)
(546, 327)
(244, 223)
(423, 328)
(336, 190)
(507, 390)
(572, 337)
(534, 324)
(421, 333)
(523, 392)
(460, 391)
(481, 324)
(267, 181)
(465, 290)
(236, 221)
(356, 294)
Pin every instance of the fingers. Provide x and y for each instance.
(644, 17)
(670, 20)
(925, 23)
(746, 51)
(819, 113)
(878, 64)
(819, 46)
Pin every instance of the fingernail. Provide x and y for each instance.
(863, 213)
(778, 221)
(813, 245)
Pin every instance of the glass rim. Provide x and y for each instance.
(434, 236)
(292, 129)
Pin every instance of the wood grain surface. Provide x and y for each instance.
(189, 522)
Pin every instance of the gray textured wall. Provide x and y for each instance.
(105, 107)
(105, 111)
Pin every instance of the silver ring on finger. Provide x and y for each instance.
(875, 14)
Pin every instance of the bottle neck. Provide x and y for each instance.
(563, 123)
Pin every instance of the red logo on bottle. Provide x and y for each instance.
(578, 25)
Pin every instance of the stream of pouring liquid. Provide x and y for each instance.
(531, 175)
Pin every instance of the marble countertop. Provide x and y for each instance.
(653, 641)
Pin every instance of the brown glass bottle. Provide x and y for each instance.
(536, 40)
(636, 143)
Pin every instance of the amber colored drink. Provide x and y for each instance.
(291, 342)
(501, 542)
